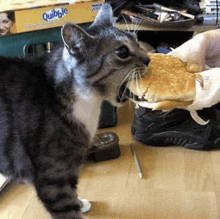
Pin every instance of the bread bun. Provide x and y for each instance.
(167, 81)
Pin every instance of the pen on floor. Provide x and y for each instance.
(136, 161)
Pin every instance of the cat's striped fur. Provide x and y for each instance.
(50, 106)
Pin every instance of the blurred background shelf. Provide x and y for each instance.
(195, 28)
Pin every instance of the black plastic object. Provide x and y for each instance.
(177, 128)
(105, 147)
(108, 117)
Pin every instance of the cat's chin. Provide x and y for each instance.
(118, 102)
(121, 100)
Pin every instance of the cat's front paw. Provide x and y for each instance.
(85, 205)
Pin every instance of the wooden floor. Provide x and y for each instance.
(177, 183)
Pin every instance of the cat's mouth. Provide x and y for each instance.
(127, 94)
(122, 93)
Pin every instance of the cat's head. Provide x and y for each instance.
(102, 57)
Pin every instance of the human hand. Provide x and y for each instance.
(203, 49)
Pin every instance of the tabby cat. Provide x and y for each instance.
(50, 106)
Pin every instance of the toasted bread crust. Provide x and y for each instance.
(168, 105)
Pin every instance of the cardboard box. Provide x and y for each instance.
(36, 15)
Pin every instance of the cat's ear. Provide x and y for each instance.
(74, 37)
(105, 16)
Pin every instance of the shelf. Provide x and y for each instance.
(197, 28)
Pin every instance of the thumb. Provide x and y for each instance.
(196, 54)
(200, 45)
(193, 52)
(195, 63)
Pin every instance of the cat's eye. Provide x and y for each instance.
(122, 52)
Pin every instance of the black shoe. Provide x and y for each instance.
(157, 128)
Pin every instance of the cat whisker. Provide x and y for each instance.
(131, 95)
(125, 92)
(128, 79)
(134, 25)
(133, 78)
(137, 27)
(140, 75)
(124, 87)
(107, 28)
(141, 69)
(126, 23)
(125, 79)
(116, 8)
(133, 75)
(136, 79)
(139, 80)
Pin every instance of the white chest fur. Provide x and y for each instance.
(87, 111)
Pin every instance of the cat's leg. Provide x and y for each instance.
(56, 187)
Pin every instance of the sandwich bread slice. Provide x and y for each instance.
(165, 85)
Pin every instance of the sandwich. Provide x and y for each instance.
(165, 85)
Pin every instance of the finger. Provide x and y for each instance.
(197, 53)
(193, 53)
(197, 50)
(187, 53)
(204, 49)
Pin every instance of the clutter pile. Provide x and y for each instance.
(158, 15)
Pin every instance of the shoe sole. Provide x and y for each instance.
(173, 138)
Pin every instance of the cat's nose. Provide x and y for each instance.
(146, 61)
(144, 58)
